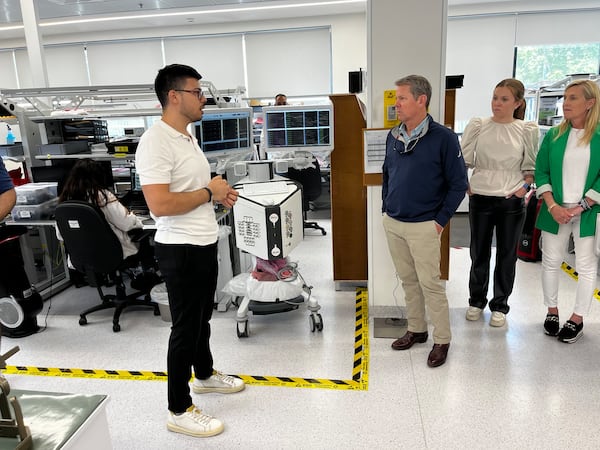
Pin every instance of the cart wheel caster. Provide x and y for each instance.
(82, 320)
(116, 327)
(312, 322)
(319, 322)
(242, 329)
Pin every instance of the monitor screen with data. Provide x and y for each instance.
(307, 127)
(225, 131)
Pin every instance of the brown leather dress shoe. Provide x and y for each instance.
(438, 355)
(410, 338)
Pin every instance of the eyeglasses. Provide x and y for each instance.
(408, 148)
(197, 92)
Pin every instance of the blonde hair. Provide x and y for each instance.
(590, 91)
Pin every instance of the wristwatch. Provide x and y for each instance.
(209, 194)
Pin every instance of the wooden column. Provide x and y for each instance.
(348, 195)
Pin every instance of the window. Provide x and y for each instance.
(541, 65)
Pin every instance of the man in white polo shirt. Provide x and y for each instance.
(177, 184)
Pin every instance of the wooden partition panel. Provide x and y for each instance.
(348, 193)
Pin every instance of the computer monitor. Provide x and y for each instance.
(292, 128)
(60, 169)
(225, 132)
(135, 181)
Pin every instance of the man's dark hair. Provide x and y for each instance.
(418, 84)
(171, 77)
(281, 96)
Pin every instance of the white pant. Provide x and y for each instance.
(554, 249)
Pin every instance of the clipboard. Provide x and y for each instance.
(373, 155)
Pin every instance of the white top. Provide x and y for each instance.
(576, 163)
(500, 154)
(166, 156)
(121, 221)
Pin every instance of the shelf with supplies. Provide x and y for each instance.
(544, 105)
(96, 156)
(51, 142)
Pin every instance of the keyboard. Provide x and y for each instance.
(272, 187)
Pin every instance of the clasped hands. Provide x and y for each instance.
(222, 192)
(563, 215)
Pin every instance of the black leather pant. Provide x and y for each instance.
(506, 215)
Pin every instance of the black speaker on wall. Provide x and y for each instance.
(355, 82)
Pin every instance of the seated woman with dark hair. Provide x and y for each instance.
(86, 183)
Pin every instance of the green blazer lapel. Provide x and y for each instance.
(556, 169)
(592, 181)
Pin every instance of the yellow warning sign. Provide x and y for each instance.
(390, 119)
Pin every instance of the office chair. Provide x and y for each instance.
(95, 250)
(310, 179)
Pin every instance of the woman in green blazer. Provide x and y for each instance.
(567, 173)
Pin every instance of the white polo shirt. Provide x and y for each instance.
(165, 156)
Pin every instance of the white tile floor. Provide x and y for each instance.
(511, 387)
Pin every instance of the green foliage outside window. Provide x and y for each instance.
(538, 66)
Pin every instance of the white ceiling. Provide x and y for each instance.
(67, 16)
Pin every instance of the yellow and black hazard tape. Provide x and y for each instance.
(86, 373)
(571, 271)
(360, 367)
(360, 372)
(359, 379)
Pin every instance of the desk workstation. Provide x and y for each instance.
(42, 254)
(54, 143)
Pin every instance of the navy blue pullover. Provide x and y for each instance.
(427, 183)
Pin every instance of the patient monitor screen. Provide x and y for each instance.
(300, 127)
(224, 130)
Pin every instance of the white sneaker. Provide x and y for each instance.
(218, 382)
(473, 313)
(498, 319)
(194, 422)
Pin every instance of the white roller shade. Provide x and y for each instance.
(8, 79)
(293, 62)
(469, 53)
(552, 28)
(124, 62)
(24, 69)
(219, 59)
(66, 66)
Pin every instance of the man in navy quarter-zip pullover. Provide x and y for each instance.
(424, 181)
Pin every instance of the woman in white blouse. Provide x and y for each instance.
(86, 183)
(501, 150)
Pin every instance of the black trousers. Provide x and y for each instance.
(507, 216)
(190, 272)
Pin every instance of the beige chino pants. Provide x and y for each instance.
(415, 251)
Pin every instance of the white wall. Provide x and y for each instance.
(348, 51)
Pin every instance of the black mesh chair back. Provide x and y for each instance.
(310, 179)
(89, 240)
(95, 251)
